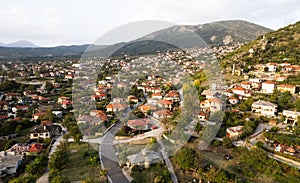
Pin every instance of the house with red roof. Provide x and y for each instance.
(69, 76)
(60, 100)
(115, 107)
(234, 132)
(233, 100)
(11, 96)
(3, 118)
(36, 148)
(157, 96)
(140, 124)
(100, 114)
(162, 113)
(241, 91)
(246, 85)
(165, 104)
(38, 115)
(66, 104)
(132, 98)
(19, 108)
(203, 116)
(287, 88)
(147, 107)
(172, 96)
(211, 105)
(3, 105)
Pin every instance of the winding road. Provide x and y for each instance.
(108, 156)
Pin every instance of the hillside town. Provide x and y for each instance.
(38, 107)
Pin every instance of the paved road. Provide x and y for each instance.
(168, 163)
(109, 159)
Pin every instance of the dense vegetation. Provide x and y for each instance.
(279, 46)
(58, 162)
(285, 139)
(256, 162)
(157, 173)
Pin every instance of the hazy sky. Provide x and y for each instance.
(65, 22)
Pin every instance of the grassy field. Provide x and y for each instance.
(78, 167)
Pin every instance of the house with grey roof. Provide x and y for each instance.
(9, 164)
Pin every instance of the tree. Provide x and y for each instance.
(59, 179)
(94, 160)
(75, 133)
(216, 143)
(227, 142)
(103, 172)
(221, 177)
(185, 157)
(242, 107)
(259, 144)
(249, 127)
(198, 127)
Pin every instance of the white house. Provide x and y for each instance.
(246, 85)
(264, 108)
(157, 96)
(268, 86)
(242, 91)
(234, 132)
(272, 67)
(291, 117)
(202, 116)
(58, 114)
(211, 105)
(208, 94)
(233, 100)
(45, 131)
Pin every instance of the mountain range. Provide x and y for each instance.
(20, 44)
(182, 36)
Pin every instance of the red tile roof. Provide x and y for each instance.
(36, 148)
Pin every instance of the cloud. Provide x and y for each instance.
(67, 22)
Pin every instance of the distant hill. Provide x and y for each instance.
(279, 46)
(211, 34)
(188, 36)
(12, 53)
(214, 34)
(20, 44)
